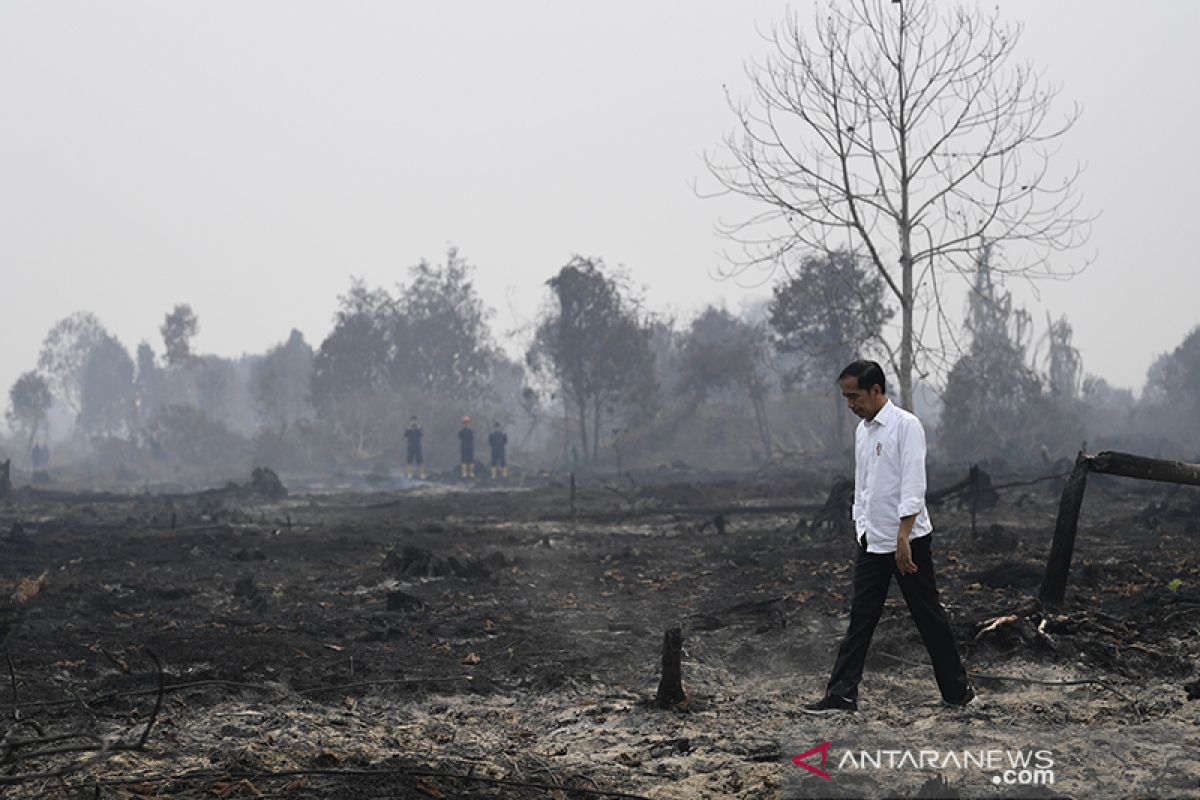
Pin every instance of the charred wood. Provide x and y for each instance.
(1058, 565)
(670, 687)
(1054, 584)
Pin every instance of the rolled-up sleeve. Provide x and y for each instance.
(912, 467)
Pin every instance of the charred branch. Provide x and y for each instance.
(16, 752)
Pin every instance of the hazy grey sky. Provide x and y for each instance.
(250, 157)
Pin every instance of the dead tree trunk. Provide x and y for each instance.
(670, 687)
(5, 481)
(1058, 565)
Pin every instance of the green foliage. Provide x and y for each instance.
(1166, 418)
(280, 382)
(185, 436)
(433, 336)
(108, 397)
(64, 352)
(722, 353)
(443, 342)
(29, 401)
(178, 329)
(829, 312)
(355, 356)
(592, 346)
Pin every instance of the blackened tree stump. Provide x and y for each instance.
(670, 688)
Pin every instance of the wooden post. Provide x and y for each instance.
(1126, 465)
(973, 476)
(573, 515)
(670, 687)
(1058, 565)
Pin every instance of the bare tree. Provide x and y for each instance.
(1059, 359)
(995, 403)
(910, 135)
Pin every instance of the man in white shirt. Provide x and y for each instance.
(892, 527)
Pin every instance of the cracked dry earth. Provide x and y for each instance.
(472, 644)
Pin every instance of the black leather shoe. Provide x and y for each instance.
(830, 704)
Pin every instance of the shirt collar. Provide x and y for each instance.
(885, 414)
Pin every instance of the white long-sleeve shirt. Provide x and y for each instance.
(889, 477)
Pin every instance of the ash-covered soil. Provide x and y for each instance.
(446, 642)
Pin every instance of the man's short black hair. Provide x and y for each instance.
(868, 374)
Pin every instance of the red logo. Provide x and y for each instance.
(823, 749)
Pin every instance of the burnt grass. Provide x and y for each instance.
(485, 642)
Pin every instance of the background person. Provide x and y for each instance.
(498, 442)
(466, 448)
(412, 441)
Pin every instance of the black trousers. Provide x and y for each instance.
(872, 576)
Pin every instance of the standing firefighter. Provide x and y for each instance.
(466, 448)
(498, 441)
(893, 532)
(412, 439)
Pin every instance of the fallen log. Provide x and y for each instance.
(1145, 469)
(683, 511)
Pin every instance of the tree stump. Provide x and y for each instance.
(982, 496)
(670, 687)
(264, 481)
(837, 514)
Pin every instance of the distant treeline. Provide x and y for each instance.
(603, 381)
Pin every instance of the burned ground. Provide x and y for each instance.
(447, 643)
